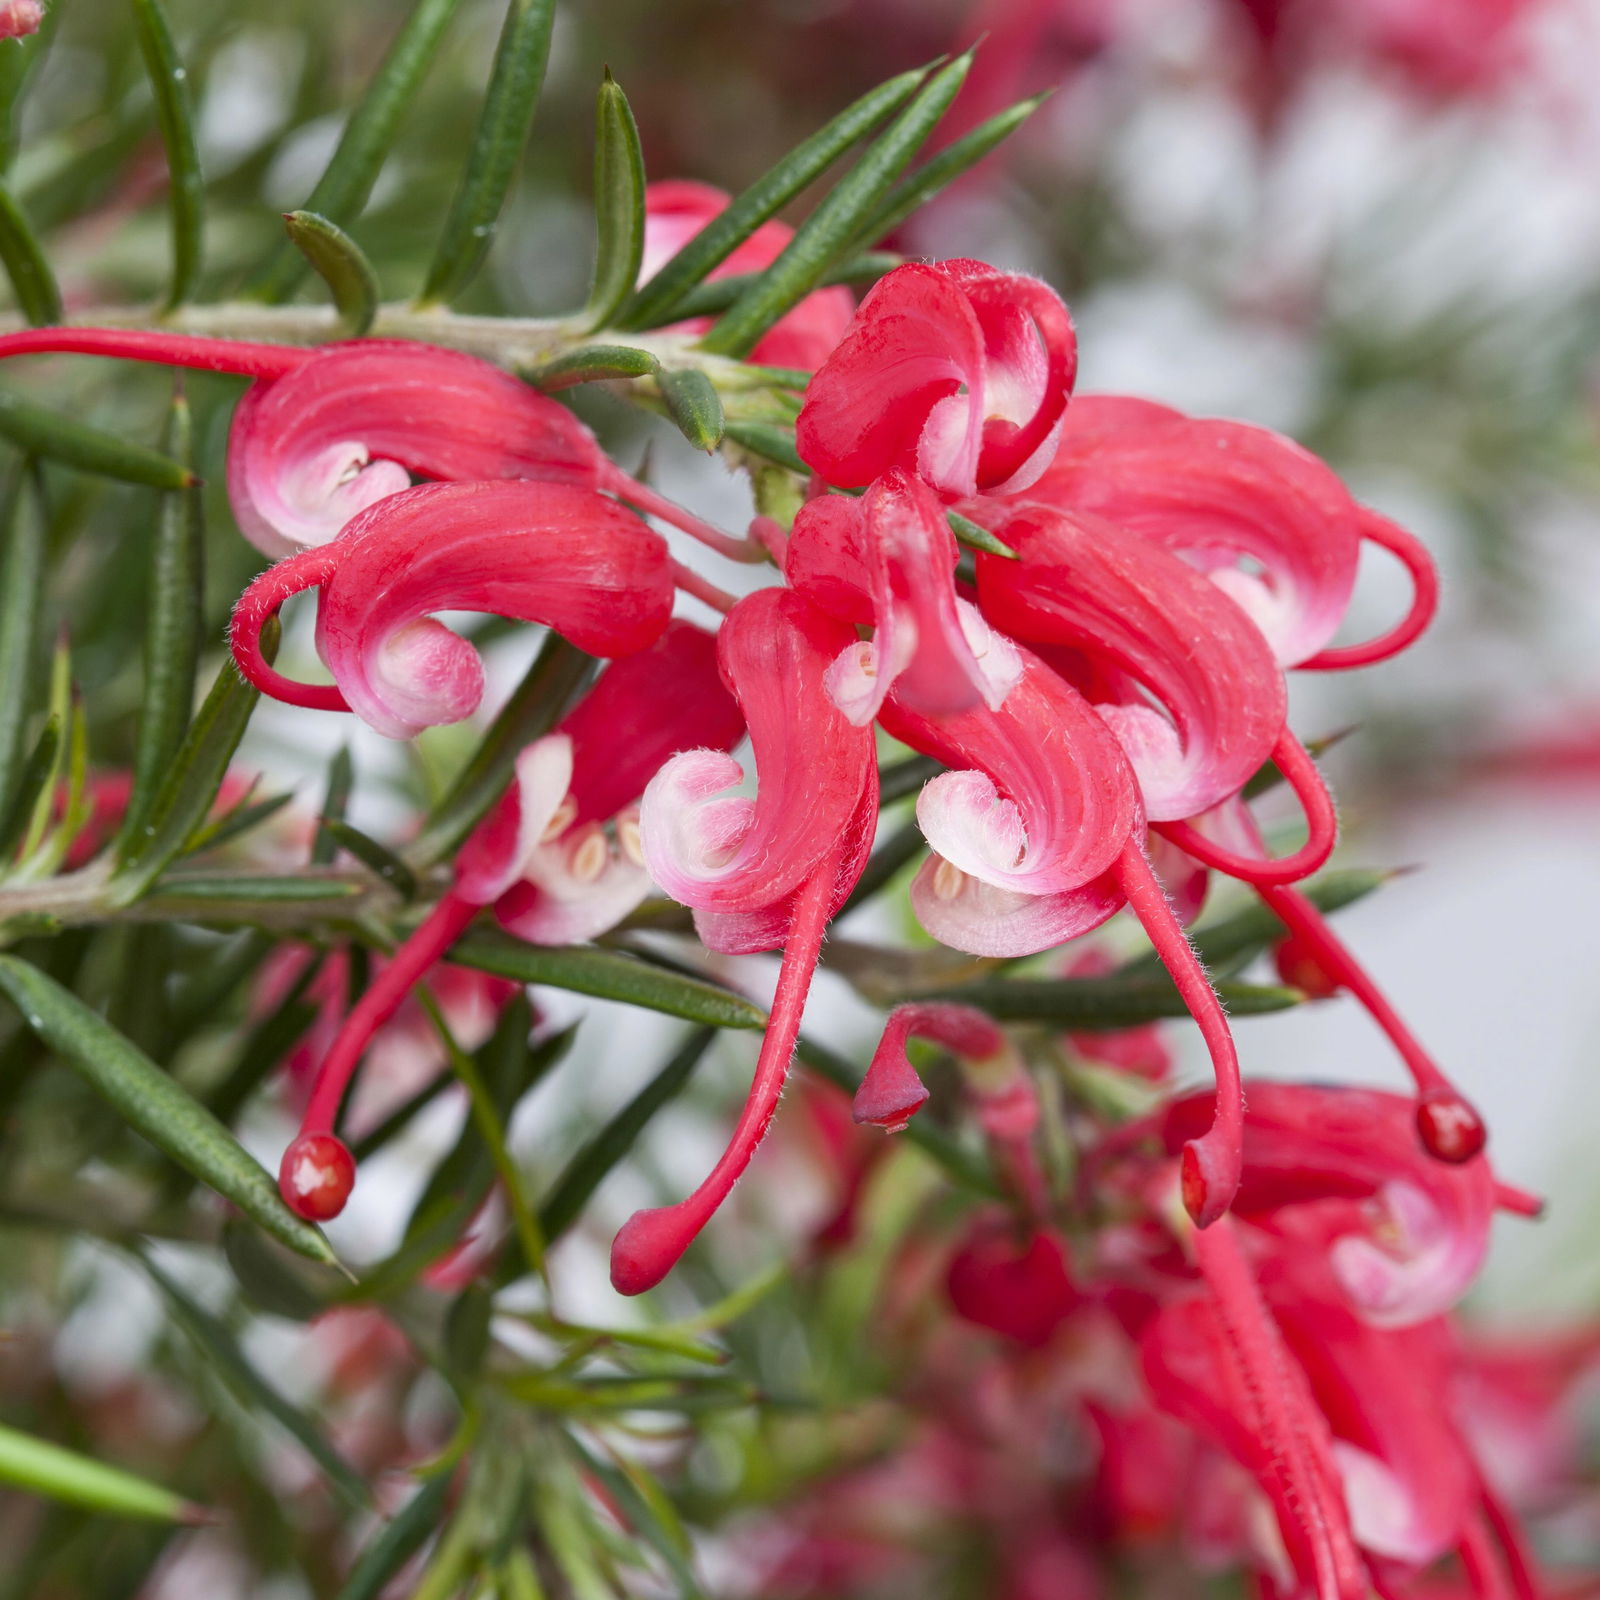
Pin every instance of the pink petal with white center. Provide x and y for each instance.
(498, 849)
(1138, 613)
(732, 854)
(537, 552)
(577, 886)
(1222, 493)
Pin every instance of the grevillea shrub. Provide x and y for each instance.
(421, 831)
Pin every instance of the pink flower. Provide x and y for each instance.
(540, 552)
(955, 372)
(541, 856)
(888, 561)
(759, 872)
(1011, 1279)
(677, 209)
(18, 18)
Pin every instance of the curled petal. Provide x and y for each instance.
(1142, 614)
(729, 854)
(1047, 800)
(968, 914)
(1414, 556)
(538, 552)
(954, 372)
(499, 848)
(889, 560)
(1221, 493)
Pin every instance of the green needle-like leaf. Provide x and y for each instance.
(266, 1278)
(21, 622)
(344, 186)
(193, 782)
(38, 773)
(32, 281)
(590, 1166)
(558, 675)
(618, 204)
(608, 975)
(384, 864)
(38, 1467)
(398, 1540)
(153, 1103)
(914, 190)
(217, 1347)
(186, 186)
(770, 441)
(173, 630)
(658, 300)
(508, 108)
(829, 232)
(694, 405)
(76, 444)
(592, 363)
(335, 802)
(339, 261)
(720, 293)
(1094, 1004)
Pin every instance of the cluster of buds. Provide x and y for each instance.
(1101, 685)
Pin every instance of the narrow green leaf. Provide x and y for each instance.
(335, 802)
(238, 821)
(251, 889)
(720, 293)
(344, 186)
(76, 444)
(384, 864)
(153, 1103)
(966, 1166)
(32, 281)
(173, 629)
(1252, 927)
(341, 264)
(18, 64)
(593, 363)
(694, 405)
(67, 714)
(1093, 1004)
(647, 1508)
(35, 784)
(914, 190)
(268, 1282)
(466, 1330)
(828, 233)
(22, 621)
(216, 1345)
(973, 537)
(398, 1540)
(38, 1467)
(591, 1165)
(559, 674)
(769, 441)
(508, 106)
(608, 975)
(194, 781)
(618, 204)
(174, 113)
(658, 300)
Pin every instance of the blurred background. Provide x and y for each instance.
(1371, 224)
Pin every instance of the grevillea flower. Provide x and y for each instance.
(539, 552)
(887, 561)
(1037, 836)
(759, 872)
(1271, 525)
(1148, 619)
(325, 433)
(955, 372)
(558, 858)
(1011, 1279)
(677, 209)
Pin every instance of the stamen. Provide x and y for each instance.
(650, 1242)
(589, 855)
(304, 570)
(314, 1152)
(1424, 600)
(630, 839)
(1212, 1163)
(1322, 826)
(565, 815)
(1447, 1123)
(690, 581)
(168, 349)
(636, 494)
